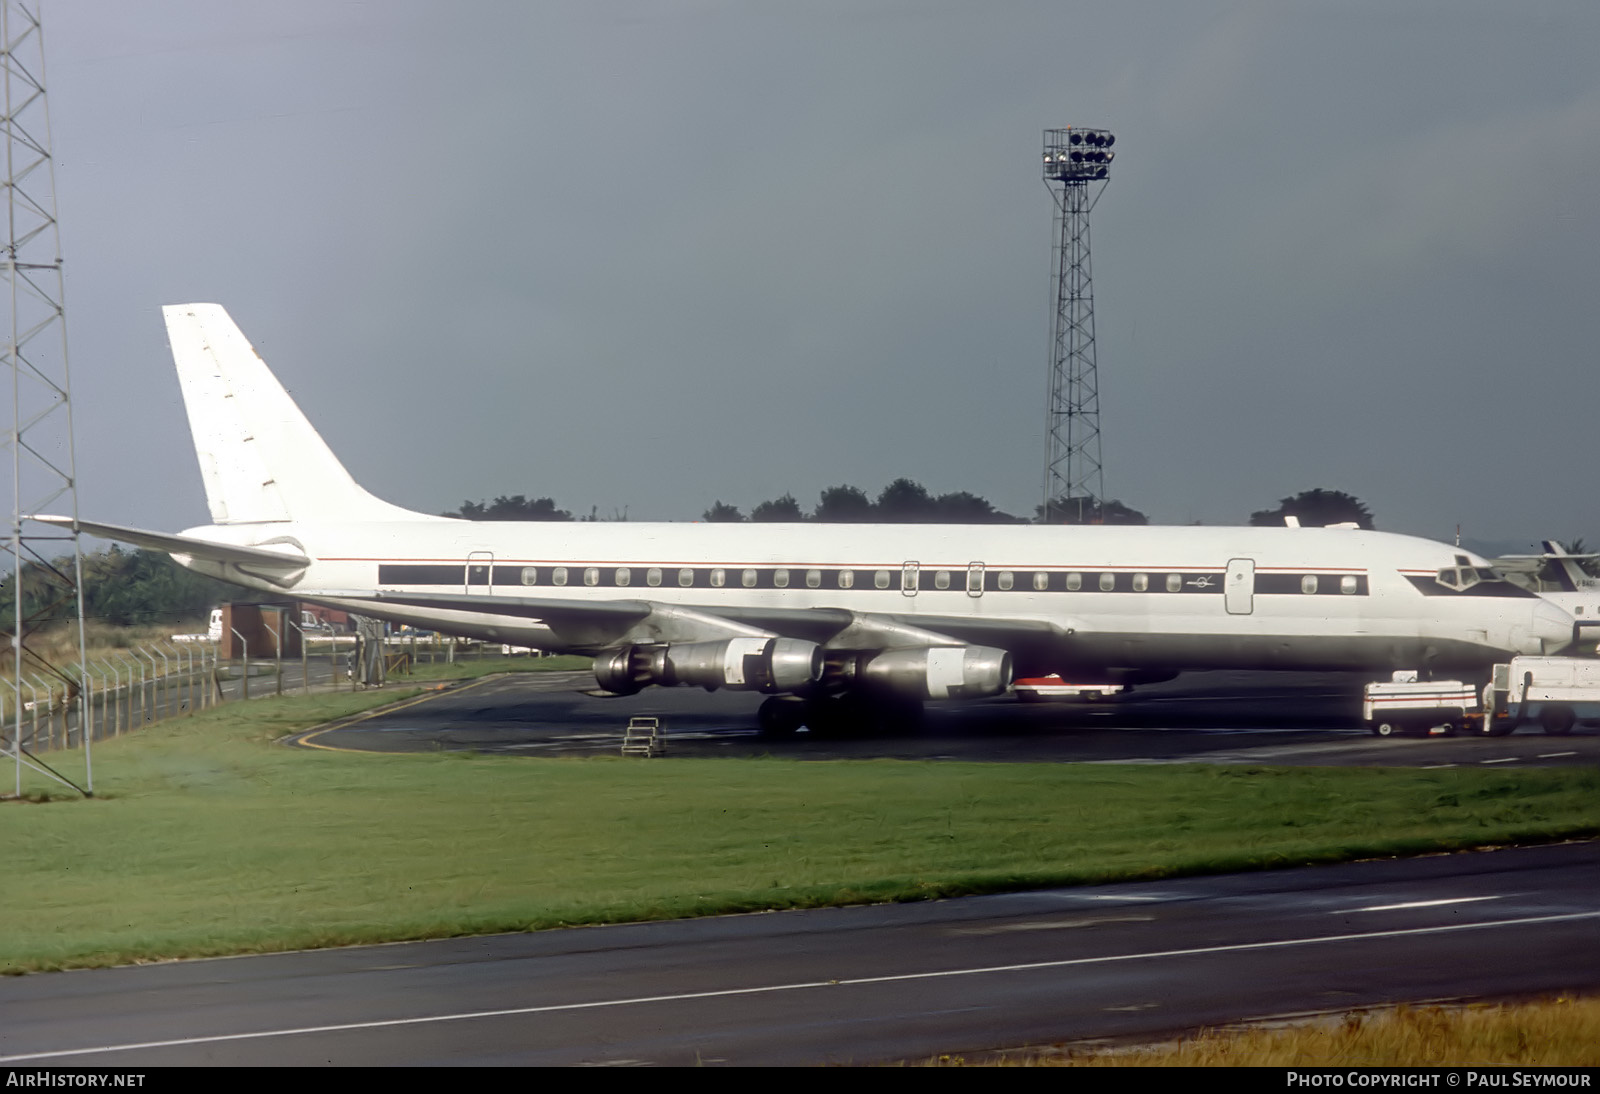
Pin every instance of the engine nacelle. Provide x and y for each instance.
(939, 672)
(739, 664)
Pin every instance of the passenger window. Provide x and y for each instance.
(652, 576)
(623, 575)
(847, 579)
(748, 579)
(813, 579)
(558, 576)
(1308, 584)
(685, 577)
(591, 575)
(719, 577)
(780, 578)
(1141, 582)
(530, 575)
(1074, 581)
(1174, 583)
(881, 579)
(1108, 582)
(941, 579)
(1347, 585)
(1005, 580)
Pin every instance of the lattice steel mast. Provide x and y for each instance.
(1076, 165)
(46, 579)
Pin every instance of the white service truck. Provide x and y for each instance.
(1556, 692)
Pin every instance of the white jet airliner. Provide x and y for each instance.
(1558, 576)
(833, 622)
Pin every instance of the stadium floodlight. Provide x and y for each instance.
(1070, 156)
(1076, 167)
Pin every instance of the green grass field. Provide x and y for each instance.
(207, 838)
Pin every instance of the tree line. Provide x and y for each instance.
(120, 587)
(905, 501)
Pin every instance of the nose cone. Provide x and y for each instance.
(1554, 628)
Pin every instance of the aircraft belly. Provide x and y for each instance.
(1199, 651)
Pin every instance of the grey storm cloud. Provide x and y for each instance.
(644, 256)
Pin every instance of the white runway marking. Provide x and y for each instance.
(1419, 904)
(801, 986)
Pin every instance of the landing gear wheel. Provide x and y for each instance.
(897, 717)
(829, 717)
(781, 717)
(1387, 729)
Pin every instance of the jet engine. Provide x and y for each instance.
(739, 664)
(938, 672)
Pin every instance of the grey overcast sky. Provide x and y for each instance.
(649, 255)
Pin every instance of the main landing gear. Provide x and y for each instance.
(848, 715)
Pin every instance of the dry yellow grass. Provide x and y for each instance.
(58, 645)
(1554, 1033)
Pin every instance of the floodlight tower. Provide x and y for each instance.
(46, 578)
(1076, 165)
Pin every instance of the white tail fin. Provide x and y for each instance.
(260, 458)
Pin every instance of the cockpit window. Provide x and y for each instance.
(1462, 578)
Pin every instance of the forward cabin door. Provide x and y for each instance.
(1239, 586)
(480, 573)
(974, 579)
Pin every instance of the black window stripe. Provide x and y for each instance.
(1277, 583)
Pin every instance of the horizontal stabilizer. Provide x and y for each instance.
(282, 556)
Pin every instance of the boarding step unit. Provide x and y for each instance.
(644, 736)
(1406, 706)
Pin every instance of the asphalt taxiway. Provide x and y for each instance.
(855, 985)
(1244, 718)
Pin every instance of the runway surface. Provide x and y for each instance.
(1243, 718)
(871, 984)
(855, 985)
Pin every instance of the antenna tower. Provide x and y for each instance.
(1076, 165)
(46, 571)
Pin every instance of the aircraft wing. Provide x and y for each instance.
(283, 556)
(606, 622)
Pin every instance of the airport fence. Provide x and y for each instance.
(118, 692)
(135, 687)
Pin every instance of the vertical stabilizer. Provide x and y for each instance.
(1571, 576)
(260, 458)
